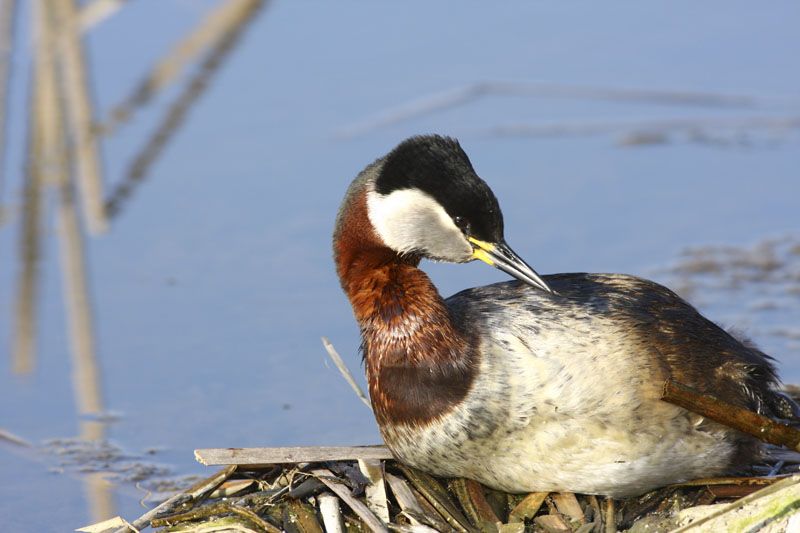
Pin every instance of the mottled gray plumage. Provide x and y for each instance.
(568, 387)
(668, 327)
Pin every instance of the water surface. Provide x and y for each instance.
(215, 283)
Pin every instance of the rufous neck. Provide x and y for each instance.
(379, 282)
(419, 363)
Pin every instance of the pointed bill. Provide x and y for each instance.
(501, 256)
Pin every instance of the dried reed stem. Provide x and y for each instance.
(730, 415)
(348, 377)
(16, 440)
(610, 517)
(214, 510)
(372, 522)
(258, 457)
(190, 495)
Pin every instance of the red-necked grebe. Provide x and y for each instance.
(549, 383)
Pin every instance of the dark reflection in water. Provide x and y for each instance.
(195, 320)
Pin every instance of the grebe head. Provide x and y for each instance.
(428, 200)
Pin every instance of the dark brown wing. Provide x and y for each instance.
(694, 350)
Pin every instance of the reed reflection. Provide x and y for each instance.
(63, 172)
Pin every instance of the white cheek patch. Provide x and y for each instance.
(410, 220)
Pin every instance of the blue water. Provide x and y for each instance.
(215, 283)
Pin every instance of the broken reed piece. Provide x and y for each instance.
(730, 415)
(438, 497)
(528, 507)
(473, 501)
(331, 513)
(372, 522)
(348, 377)
(214, 510)
(257, 457)
(190, 495)
(376, 490)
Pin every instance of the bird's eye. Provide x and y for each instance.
(462, 224)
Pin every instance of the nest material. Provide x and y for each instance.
(308, 490)
(383, 495)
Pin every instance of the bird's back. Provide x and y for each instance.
(592, 313)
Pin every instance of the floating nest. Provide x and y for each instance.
(309, 490)
(384, 495)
